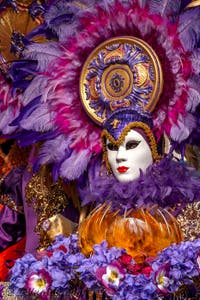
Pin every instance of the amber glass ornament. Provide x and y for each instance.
(142, 232)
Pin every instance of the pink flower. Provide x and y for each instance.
(110, 276)
(125, 259)
(43, 253)
(62, 248)
(39, 283)
(129, 264)
(162, 281)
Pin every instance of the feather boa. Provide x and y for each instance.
(166, 183)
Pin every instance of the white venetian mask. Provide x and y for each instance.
(133, 155)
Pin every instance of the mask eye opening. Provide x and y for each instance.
(132, 144)
(112, 147)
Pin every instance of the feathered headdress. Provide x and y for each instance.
(52, 107)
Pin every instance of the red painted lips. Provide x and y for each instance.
(122, 169)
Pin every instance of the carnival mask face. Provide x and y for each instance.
(133, 155)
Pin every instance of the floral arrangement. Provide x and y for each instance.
(63, 270)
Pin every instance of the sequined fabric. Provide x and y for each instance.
(189, 220)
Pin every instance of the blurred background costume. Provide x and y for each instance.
(131, 68)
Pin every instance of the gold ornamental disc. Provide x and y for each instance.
(122, 72)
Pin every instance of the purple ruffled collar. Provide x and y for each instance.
(166, 183)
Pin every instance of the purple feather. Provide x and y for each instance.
(193, 93)
(26, 138)
(165, 7)
(43, 54)
(62, 18)
(189, 28)
(5, 119)
(39, 120)
(26, 111)
(181, 131)
(195, 59)
(143, 3)
(75, 165)
(165, 184)
(55, 150)
(37, 88)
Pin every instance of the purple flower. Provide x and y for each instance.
(60, 279)
(110, 276)
(38, 265)
(39, 283)
(58, 258)
(106, 270)
(182, 260)
(104, 255)
(20, 271)
(101, 258)
(70, 243)
(136, 287)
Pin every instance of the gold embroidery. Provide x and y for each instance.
(189, 220)
(115, 123)
(48, 199)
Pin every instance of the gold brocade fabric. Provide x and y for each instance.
(60, 225)
(47, 199)
(189, 221)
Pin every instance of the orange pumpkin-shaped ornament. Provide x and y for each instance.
(141, 232)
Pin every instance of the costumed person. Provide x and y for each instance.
(132, 66)
(130, 76)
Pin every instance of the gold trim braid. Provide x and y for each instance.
(148, 132)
